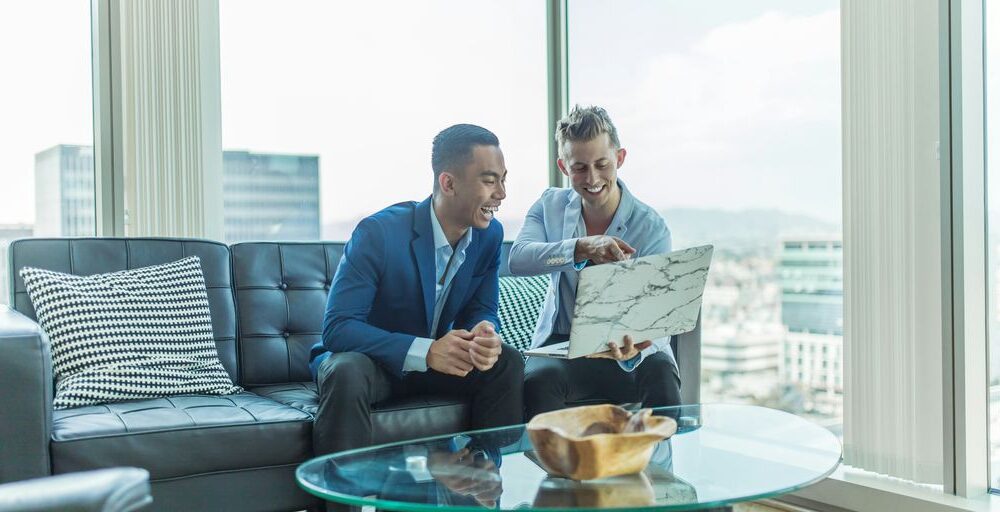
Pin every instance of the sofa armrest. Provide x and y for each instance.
(102, 490)
(25, 398)
(687, 350)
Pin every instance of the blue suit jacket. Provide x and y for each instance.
(383, 292)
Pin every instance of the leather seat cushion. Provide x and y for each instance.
(181, 436)
(396, 419)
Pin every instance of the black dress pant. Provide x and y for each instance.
(350, 383)
(549, 383)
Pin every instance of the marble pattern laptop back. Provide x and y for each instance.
(648, 298)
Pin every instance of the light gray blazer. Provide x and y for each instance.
(546, 245)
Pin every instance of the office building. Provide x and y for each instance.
(812, 310)
(265, 196)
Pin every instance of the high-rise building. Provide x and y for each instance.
(265, 196)
(64, 191)
(270, 196)
(9, 232)
(741, 329)
(812, 310)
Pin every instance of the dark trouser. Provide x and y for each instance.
(549, 384)
(350, 383)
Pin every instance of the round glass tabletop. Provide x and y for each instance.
(721, 454)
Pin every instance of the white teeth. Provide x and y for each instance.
(595, 189)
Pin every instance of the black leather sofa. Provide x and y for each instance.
(235, 452)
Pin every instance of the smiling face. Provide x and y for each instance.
(592, 168)
(471, 196)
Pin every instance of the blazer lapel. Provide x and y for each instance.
(619, 223)
(571, 219)
(423, 250)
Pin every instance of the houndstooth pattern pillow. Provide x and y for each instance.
(521, 301)
(140, 333)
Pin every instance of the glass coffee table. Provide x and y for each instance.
(721, 454)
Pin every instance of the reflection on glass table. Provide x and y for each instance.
(721, 454)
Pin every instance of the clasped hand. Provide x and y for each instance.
(459, 351)
(466, 475)
(628, 351)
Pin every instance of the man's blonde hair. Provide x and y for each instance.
(583, 124)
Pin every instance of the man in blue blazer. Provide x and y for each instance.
(596, 221)
(413, 305)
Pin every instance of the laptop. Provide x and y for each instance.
(647, 298)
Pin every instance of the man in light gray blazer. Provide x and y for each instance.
(596, 221)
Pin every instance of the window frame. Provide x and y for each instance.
(963, 215)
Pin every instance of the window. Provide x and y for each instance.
(992, 48)
(46, 137)
(745, 94)
(340, 102)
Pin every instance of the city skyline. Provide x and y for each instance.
(265, 196)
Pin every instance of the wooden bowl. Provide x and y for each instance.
(624, 491)
(597, 441)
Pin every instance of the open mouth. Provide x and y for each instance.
(489, 211)
(595, 189)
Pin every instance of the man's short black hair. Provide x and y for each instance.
(452, 148)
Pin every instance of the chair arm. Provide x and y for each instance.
(687, 350)
(102, 490)
(25, 398)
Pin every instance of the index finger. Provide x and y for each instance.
(623, 245)
(462, 333)
(617, 253)
(487, 341)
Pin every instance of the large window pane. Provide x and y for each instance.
(730, 111)
(349, 95)
(46, 136)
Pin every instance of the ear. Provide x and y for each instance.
(621, 157)
(562, 166)
(446, 183)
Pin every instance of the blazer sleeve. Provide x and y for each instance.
(485, 300)
(533, 254)
(345, 326)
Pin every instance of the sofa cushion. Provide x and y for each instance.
(521, 301)
(126, 335)
(396, 419)
(181, 436)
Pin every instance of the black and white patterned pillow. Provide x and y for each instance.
(521, 301)
(140, 333)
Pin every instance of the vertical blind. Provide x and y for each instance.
(893, 421)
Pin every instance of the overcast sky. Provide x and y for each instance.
(721, 104)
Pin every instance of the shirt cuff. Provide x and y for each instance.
(416, 357)
(630, 364)
(569, 254)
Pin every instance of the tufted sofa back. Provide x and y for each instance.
(281, 291)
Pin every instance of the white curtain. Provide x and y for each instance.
(892, 239)
(170, 117)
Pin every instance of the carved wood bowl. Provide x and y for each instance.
(597, 441)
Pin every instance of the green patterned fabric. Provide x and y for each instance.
(520, 302)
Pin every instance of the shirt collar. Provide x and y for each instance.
(440, 240)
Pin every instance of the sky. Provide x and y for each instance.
(721, 104)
